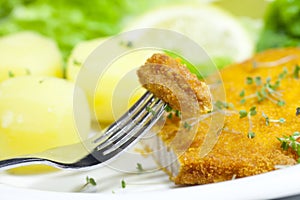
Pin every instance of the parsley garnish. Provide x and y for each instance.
(296, 72)
(177, 113)
(90, 181)
(298, 111)
(249, 80)
(267, 90)
(171, 112)
(150, 110)
(252, 112)
(251, 135)
(242, 93)
(139, 167)
(223, 105)
(168, 108)
(281, 103)
(170, 116)
(283, 74)
(187, 126)
(123, 184)
(268, 120)
(244, 113)
(291, 142)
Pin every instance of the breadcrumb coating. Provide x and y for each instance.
(236, 155)
(172, 82)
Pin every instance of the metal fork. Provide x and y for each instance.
(99, 150)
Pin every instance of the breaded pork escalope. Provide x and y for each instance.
(172, 82)
(264, 92)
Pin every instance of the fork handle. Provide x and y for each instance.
(17, 162)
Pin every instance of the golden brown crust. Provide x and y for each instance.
(235, 155)
(172, 82)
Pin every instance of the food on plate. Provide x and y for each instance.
(29, 53)
(37, 113)
(260, 131)
(281, 25)
(172, 82)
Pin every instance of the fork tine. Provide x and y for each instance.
(124, 118)
(136, 129)
(132, 127)
(113, 149)
(127, 124)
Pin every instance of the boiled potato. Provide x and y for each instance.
(36, 113)
(118, 87)
(28, 53)
(79, 54)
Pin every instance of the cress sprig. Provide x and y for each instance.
(252, 112)
(291, 142)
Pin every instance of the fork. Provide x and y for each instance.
(99, 150)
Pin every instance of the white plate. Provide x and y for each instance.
(151, 185)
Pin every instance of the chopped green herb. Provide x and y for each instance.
(281, 120)
(267, 90)
(123, 184)
(139, 167)
(283, 74)
(251, 135)
(249, 80)
(171, 112)
(90, 181)
(258, 81)
(11, 74)
(243, 101)
(150, 110)
(223, 105)
(187, 126)
(298, 111)
(242, 93)
(291, 142)
(296, 72)
(268, 120)
(219, 104)
(168, 108)
(243, 113)
(177, 113)
(252, 111)
(170, 116)
(281, 103)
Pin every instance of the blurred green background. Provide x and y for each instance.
(69, 22)
(272, 23)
